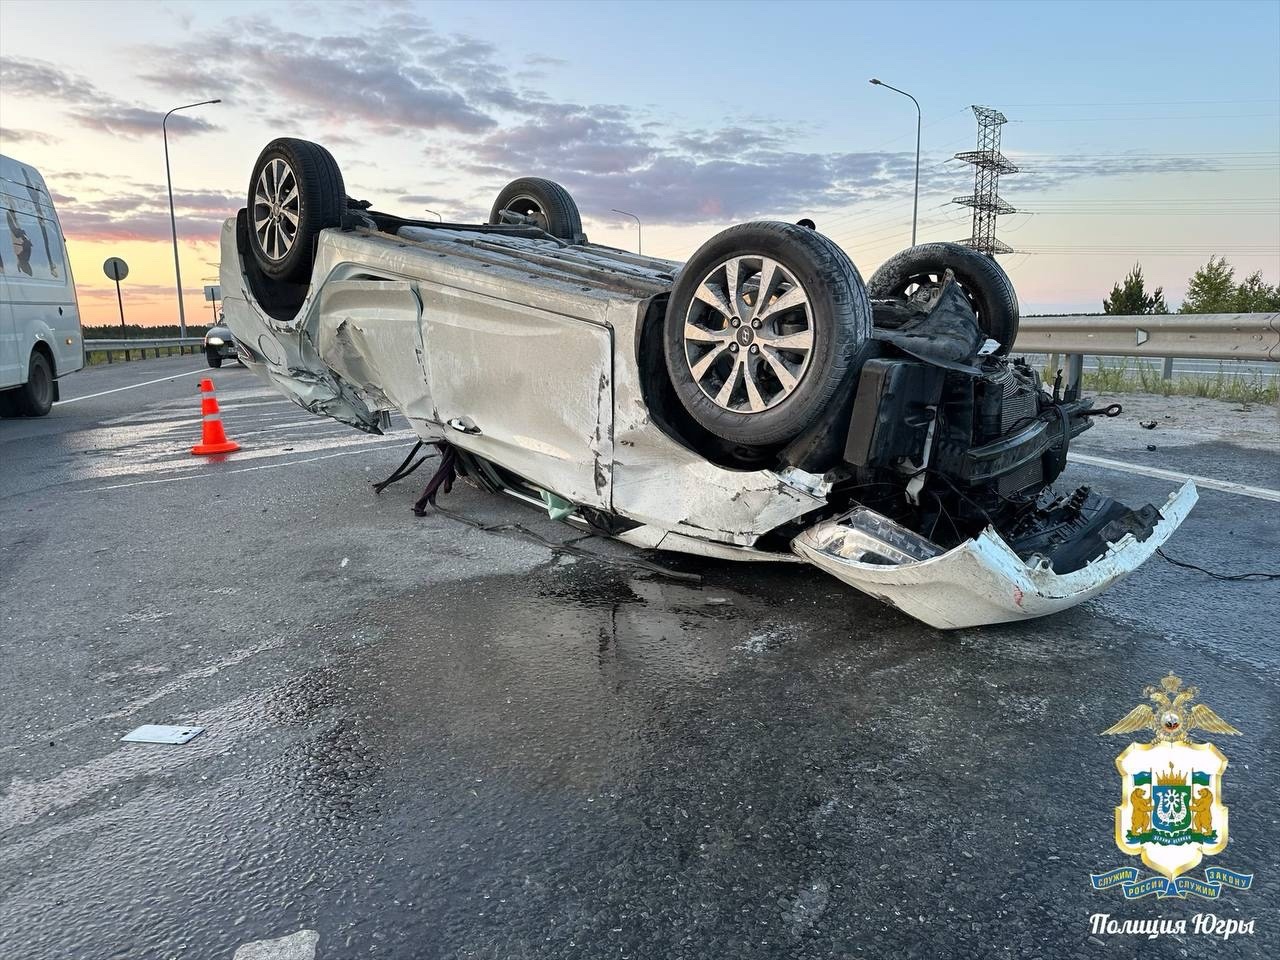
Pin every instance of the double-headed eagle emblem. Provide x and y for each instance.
(1174, 715)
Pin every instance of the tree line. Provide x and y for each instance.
(1211, 289)
(135, 331)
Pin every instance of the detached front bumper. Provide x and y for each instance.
(982, 581)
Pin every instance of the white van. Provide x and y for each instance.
(40, 338)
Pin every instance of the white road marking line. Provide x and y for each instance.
(240, 404)
(289, 424)
(132, 386)
(266, 466)
(1208, 483)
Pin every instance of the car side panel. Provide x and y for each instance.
(370, 333)
(531, 388)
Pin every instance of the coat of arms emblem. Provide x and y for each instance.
(1171, 811)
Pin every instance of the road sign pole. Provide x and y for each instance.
(116, 269)
(120, 301)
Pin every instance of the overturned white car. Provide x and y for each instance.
(755, 403)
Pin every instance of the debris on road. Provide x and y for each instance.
(296, 946)
(1147, 424)
(162, 733)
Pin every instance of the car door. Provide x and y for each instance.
(528, 388)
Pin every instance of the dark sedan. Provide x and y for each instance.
(219, 345)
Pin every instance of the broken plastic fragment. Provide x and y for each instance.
(162, 733)
(557, 508)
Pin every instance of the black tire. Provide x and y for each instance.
(982, 280)
(35, 397)
(546, 201)
(837, 320)
(321, 199)
(214, 359)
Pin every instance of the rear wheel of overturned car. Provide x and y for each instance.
(765, 323)
(295, 191)
(544, 202)
(916, 274)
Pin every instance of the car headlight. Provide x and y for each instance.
(213, 341)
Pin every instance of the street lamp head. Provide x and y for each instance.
(875, 81)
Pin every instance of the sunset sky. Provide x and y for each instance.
(1146, 132)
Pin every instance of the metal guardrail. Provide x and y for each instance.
(142, 345)
(1201, 336)
(1191, 336)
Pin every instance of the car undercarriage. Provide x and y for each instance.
(759, 402)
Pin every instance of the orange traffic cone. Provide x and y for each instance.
(212, 439)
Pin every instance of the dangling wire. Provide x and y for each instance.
(399, 473)
(1254, 577)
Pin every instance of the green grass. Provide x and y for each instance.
(1129, 376)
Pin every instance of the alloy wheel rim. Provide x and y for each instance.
(749, 334)
(529, 207)
(277, 209)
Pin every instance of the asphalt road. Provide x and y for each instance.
(428, 740)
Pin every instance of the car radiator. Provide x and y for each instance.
(1019, 407)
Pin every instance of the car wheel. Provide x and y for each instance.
(215, 361)
(764, 324)
(295, 191)
(916, 275)
(547, 203)
(35, 397)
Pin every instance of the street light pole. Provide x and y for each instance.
(639, 246)
(173, 222)
(915, 203)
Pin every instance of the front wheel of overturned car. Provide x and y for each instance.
(544, 203)
(295, 191)
(765, 323)
(916, 275)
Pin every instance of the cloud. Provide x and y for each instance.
(14, 135)
(1038, 173)
(389, 73)
(86, 104)
(607, 157)
(127, 121)
(134, 292)
(382, 82)
(39, 79)
(133, 213)
(538, 60)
